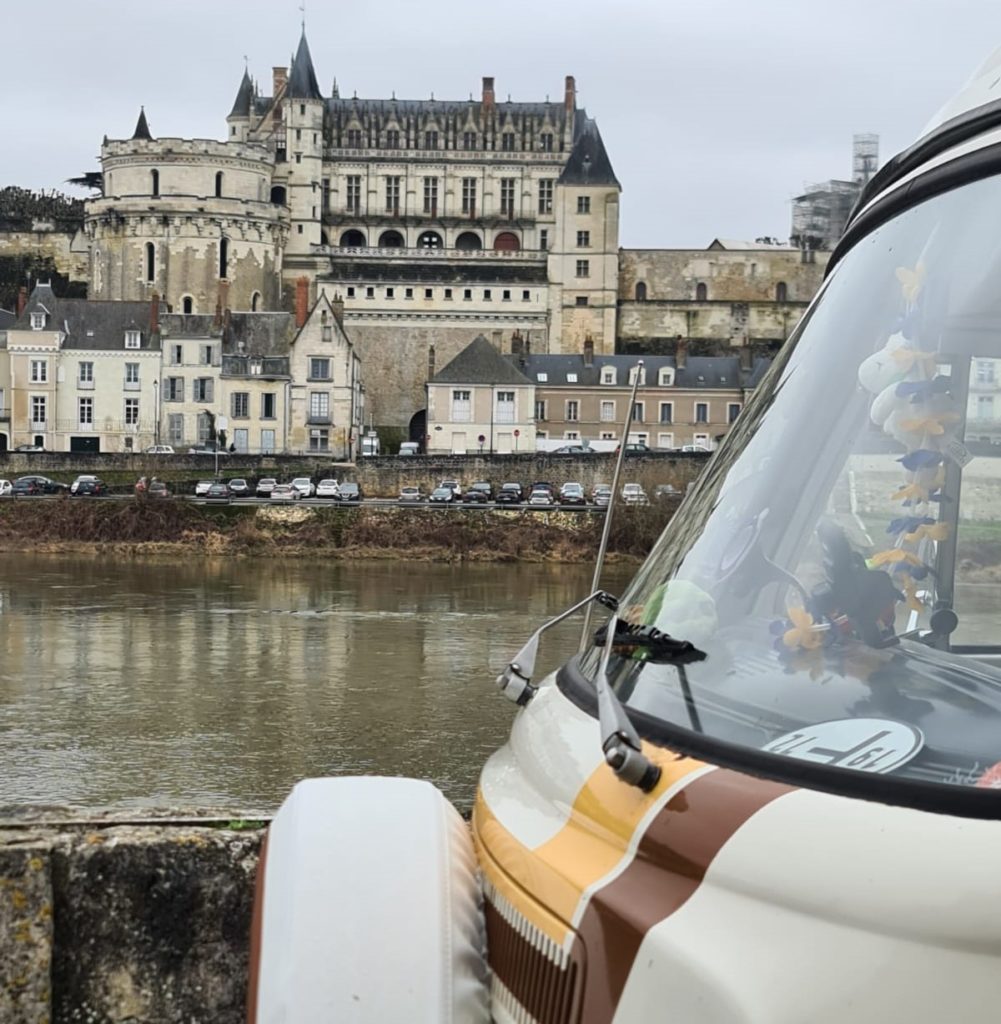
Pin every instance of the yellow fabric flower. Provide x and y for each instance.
(913, 491)
(934, 424)
(939, 531)
(895, 556)
(911, 281)
(803, 633)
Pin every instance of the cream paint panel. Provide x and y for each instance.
(530, 784)
(821, 907)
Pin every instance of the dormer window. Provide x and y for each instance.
(542, 378)
(642, 375)
(132, 339)
(37, 321)
(666, 376)
(571, 378)
(608, 375)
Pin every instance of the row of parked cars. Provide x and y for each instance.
(539, 493)
(271, 488)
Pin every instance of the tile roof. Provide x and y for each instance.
(89, 324)
(721, 372)
(588, 163)
(480, 363)
(259, 334)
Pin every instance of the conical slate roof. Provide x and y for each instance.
(479, 363)
(588, 163)
(142, 128)
(302, 84)
(244, 98)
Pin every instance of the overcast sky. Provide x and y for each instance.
(714, 112)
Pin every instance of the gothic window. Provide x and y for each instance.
(393, 195)
(154, 177)
(430, 140)
(507, 142)
(469, 140)
(641, 291)
(431, 196)
(223, 257)
(150, 261)
(187, 304)
(546, 196)
(255, 302)
(354, 138)
(391, 240)
(354, 193)
(393, 138)
(546, 142)
(469, 196)
(701, 292)
(781, 292)
(218, 184)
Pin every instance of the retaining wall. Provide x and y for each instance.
(117, 923)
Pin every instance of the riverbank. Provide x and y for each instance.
(144, 528)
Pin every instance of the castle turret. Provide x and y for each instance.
(304, 107)
(239, 117)
(583, 261)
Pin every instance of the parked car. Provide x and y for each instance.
(29, 448)
(455, 486)
(573, 449)
(349, 491)
(664, 492)
(90, 486)
(328, 488)
(37, 485)
(159, 449)
(541, 496)
(202, 488)
(410, 495)
(284, 492)
(442, 496)
(601, 495)
(208, 449)
(693, 448)
(79, 480)
(410, 448)
(5, 488)
(485, 486)
(543, 485)
(265, 486)
(633, 494)
(572, 494)
(511, 494)
(304, 486)
(476, 496)
(158, 489)
(219, 491)
(239, 487)
(635, 448)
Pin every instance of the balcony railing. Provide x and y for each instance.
(318, 420)
(85, 385)
(132, 385)
(372, 252)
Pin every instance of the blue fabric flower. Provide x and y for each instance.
(921, 458)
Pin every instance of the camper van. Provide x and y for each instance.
(410, 448)
(768, 787)
(370, 444)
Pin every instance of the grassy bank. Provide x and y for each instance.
(140, 527)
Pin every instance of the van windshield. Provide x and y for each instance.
(839, 561)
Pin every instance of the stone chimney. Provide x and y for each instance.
(517, 344)
(22, 299)
(680, 352)
(154, 314)
(338, 307)
(301, 300)
(570, 95)
(279, 79)
(430, 362)
(589, 351)
(488, 95)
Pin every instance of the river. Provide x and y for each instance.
(220, 683)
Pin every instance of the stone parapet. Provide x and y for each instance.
(112, 921)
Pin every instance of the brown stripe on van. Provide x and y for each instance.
(256, 924)
(671, 860)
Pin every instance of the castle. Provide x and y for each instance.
(434, 221)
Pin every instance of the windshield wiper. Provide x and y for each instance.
(651, 644)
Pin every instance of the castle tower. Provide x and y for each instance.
(584, 258)
(191, 219)
(238, 121)
(304, 107)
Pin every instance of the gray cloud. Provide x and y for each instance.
(714, 113)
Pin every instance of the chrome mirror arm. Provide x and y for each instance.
(620, 741)
(515, 682)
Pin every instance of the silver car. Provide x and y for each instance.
(327, 489)
(304, 486)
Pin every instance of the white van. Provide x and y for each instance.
(410, 448)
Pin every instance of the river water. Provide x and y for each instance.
(220, 683)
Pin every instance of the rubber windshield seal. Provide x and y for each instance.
(982, 163)
(936, 798)
(956, 130)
